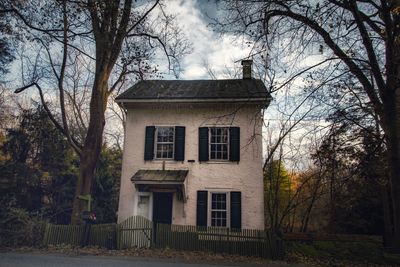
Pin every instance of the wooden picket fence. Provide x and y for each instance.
(63, 234)
(138, 232)
(247, 242)
(102, 235)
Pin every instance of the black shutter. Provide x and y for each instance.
(236, 210)
(234, 143)
(201, 217)
(203, 143)
(149, 143)
(179, 143)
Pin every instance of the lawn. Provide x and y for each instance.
(340, 253)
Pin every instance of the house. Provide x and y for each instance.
(193, 151)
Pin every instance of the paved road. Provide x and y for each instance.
(12, 259)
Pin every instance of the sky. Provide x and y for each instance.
(220, 53)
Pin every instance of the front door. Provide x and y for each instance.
(162, 207)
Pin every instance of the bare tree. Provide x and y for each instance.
(360, 37)
(116, 38)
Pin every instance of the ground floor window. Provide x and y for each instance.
(144, 205)
(219, 209)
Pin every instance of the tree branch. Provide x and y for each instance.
(72, 141)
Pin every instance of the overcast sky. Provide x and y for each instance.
(220, 53)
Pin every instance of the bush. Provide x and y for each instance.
(362, 252)
(20, 228)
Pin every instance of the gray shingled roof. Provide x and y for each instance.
(196, 89)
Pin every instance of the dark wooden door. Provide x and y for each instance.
(162, 208)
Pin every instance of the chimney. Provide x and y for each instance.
(247, 68)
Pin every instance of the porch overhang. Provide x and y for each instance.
(161, 181)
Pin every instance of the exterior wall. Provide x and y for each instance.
(245, 176)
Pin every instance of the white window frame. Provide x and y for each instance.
(209, 143)
(228, 208)
(156, 142)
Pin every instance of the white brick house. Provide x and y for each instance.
(193, 152)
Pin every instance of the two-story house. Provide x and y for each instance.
(193, 152)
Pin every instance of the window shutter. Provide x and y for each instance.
(234, 144)
(149, 143)
(179, 143)
(203, 143)
(236, 210)
(201, 216)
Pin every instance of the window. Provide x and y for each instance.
(164, 142)
(218, 209)
(219, 143)
(143, 205)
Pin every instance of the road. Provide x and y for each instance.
(13, 259)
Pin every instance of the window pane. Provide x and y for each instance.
(223, 205)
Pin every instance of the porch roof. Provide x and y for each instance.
(161, 181)
(159, 176)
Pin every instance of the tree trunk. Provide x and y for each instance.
(306, 218)
(109, 31)
(393, 150)
(391, 125)
(93, 143)
(387, 216)
(392, 132)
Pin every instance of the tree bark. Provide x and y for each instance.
(387, 216)
(392, 131)
(391, 126)
(92, 146)
(393, 155)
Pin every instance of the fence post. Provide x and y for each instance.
(227, 238)
(46, 234)
(152, 236)
(118, 235)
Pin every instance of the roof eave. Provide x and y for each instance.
(195, 100)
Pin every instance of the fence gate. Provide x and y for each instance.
(135, 232)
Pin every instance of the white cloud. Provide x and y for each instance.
(219, 52)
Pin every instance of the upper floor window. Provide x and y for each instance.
(219, 143)
(164, 142)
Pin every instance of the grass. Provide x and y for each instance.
(341, 253)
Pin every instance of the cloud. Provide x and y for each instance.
(219, 52)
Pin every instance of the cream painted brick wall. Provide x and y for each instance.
(212, 176)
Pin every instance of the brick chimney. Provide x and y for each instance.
(247, 68)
